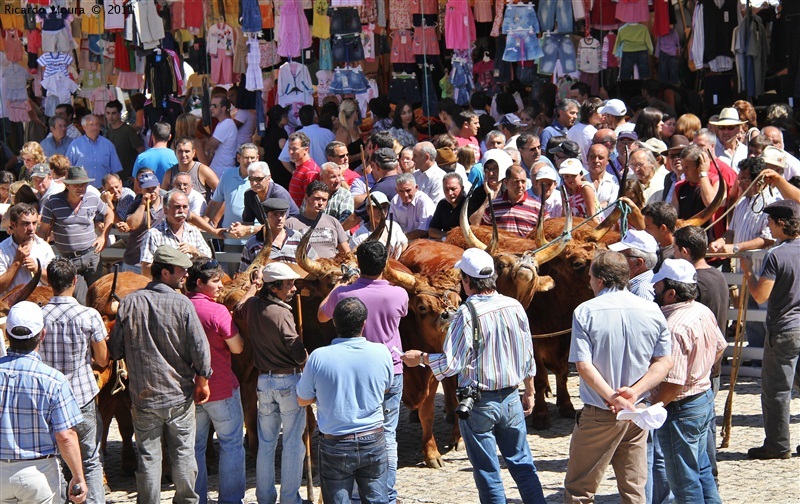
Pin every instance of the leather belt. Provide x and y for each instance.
(356, 435)
(75, 255)
(678, 404)
(43, 457)
(280, 372)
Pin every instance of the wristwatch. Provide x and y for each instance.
(735, 248)
(422, 359)
(703, 174)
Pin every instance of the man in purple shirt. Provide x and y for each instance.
(386, 305)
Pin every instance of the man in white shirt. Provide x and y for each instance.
(183, 182)
(20, 252)
(412, 208)
(221, 147)
(729, 148)
(583, 132)
(428, 175)
(43, 182)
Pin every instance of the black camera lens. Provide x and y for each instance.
(465, 408)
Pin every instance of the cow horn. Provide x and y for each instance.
(263, 255)
(376, 234)
(399, 278)
(707, 213)
(551, 250)
(469, 236)
(310, 265)
(492, 248)
(22, 294)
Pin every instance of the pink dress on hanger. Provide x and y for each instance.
(483, 11)
(294, 34)
(633, 11)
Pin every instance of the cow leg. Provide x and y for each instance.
(451, 402)
(122, 412)
(540, 419)
(250, 409)
(430, 451)
(563, 400)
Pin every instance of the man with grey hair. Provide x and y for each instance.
(566, 115)
(775, 137)
(446, 215)
(495, 139)
(429, 176)
(229, 195)
(640, 249)
(159, 157)
(173, 231)
(95, 153)
(530, 152)
(411, 207)
(514, 153)
(261, 187)
(340, 203)
(644, 166)
(57, 141)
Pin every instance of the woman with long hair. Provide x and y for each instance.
(186, 127)
(649, 124)
(349, 132)
(403, 127)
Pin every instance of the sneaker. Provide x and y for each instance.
(763, 453)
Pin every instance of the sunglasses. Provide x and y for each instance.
(210, 265)
(257, 179)
(728, 128)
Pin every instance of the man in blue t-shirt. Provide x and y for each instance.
(348, 380)
(777, 285)
(159, 157)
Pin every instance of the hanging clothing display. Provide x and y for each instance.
(294, 34)
(294, 84)
(751, 47)
(459, 25)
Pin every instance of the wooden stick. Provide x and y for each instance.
(147, 212)
(741, 320)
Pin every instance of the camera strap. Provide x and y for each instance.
(476, 341)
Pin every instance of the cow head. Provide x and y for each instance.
(517, 260)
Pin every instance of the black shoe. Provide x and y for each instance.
(763, 453)
(798, 449)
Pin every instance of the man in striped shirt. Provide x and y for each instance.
(516, 211)
(503, 359)
(686, 392)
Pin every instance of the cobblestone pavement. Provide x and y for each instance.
(741, 480)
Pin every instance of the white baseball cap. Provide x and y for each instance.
(379, 198)
(476, 263)
(640, 240)
(570, 166)
(650, 418)
(547, 173)
(774, 156)
(614, 107)
(679, 270)
(275, 271)
(24, 320)
(501, 157)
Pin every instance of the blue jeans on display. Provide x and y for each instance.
(228, 420)
(363, 460)
(638, 58)
(497, 421)
(657, 487)
(683, 437)
(777, 374)
(277, 406)
(178, 425)
(668, 69)
(560, 10)
(558, 47)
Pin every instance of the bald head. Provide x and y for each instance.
(774, 135)
(605, 137)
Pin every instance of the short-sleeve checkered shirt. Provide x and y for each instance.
(163, 235)
(70, 329)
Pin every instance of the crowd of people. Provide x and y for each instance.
(659, 302)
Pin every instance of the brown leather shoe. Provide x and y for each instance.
(763, 453)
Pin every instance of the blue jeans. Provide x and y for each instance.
(712, 432)
(497, 421)
(178, 425)
(683, 437)
(755, 332)
(363, 461)
(277, 406)
(89, 442)
(639, 58)
(557, 47)
(668, 69)
(657, 487)
(559, 10)
(777, 374)
(228, 420)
